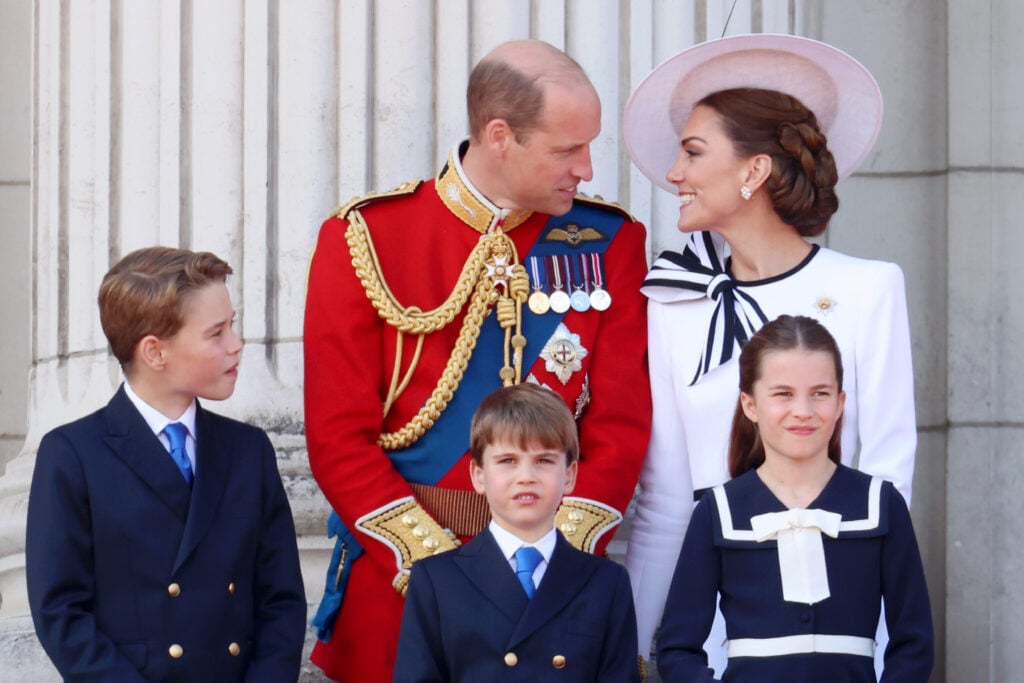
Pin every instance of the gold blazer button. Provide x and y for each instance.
(234, 649)
(511, 659)
(558, 661)
(175, 651)
(174, 590)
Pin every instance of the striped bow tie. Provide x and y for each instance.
(699, 271)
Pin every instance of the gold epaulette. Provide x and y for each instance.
(598, 200)
(355, 202)
(583, 521)
(411, 533)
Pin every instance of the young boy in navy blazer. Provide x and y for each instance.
(518, 602)
(160, 544)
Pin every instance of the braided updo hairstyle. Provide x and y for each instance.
(803, 179)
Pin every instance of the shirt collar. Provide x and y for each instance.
(157, 420)
(509, 543)
(465, 201)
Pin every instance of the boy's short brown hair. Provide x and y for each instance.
(146, 291)
(528, 415)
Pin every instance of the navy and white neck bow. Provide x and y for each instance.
(700, 272)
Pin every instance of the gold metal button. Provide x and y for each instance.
(511, 659)
(575, 516)
(175, 651)
(431, 543)
(231, 588)
(421, 532)
(234, 649)
(410, 520)
(174, 590)
(568, 528)
(558, 661)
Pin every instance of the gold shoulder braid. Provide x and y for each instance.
(397, 191)
(598, 200)
(492, 275)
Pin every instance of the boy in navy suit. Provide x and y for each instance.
(160, 544)
(518, 602)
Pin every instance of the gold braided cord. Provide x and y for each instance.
(450, 378)
(493, 263)
(412, 366)
(410, 320)
(393, 387)
(396, 388)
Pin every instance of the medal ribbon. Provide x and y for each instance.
(598, 270)
(585, 266)
(538, 274)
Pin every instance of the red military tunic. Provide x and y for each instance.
(422, 236)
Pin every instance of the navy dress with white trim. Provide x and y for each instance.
(874, 555)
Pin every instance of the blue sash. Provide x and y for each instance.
(437, 451)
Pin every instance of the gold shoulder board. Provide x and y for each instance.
(599, 201)
(355, 202)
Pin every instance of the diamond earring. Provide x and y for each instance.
(746, 192)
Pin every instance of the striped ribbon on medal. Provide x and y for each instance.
(535, 273)
(585, 265)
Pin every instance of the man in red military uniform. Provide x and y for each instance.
(424, 299)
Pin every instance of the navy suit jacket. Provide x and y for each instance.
(467, 618)
(131, 578)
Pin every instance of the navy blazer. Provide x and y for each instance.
(131, 578)
(468, 619)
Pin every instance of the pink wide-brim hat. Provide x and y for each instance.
(843, 95)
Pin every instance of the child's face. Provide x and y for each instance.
(524, 487)
(201, 359)
(795, 403)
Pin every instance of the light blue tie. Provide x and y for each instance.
(176, 433)
(527, 559)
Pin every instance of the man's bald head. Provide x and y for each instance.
(509, 83)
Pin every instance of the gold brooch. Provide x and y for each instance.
(824, 304)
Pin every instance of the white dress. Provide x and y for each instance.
(863, 305)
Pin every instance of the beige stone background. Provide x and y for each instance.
(235, 126)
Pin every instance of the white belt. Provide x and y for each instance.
(794, 645)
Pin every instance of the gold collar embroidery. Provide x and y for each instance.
(463, 200)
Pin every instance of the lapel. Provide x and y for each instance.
(132, 441)
(566, 575)
(213, 466)
(484, 565)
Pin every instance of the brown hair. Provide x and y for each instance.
(803, 179)
(509, 83)
(785, 333)
(529, 415)
(146, 291)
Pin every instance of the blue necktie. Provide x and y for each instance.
(527, 559)
(176, 433)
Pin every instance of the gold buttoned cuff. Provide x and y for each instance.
(410, 532)
(583, 521)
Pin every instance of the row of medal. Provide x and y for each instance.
(567, 281)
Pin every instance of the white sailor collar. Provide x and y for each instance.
(860, 499)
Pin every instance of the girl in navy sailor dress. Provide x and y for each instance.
(799, 547)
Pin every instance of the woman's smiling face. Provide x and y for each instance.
(708, 173)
